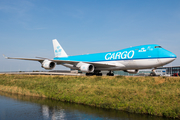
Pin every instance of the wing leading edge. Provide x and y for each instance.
(32, 59)
(96, 64)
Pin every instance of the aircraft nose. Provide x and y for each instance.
(173, 55)
(167, 56)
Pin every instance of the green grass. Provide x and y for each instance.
(147, 95)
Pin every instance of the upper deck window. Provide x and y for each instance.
(157, 47)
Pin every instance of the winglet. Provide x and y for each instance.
(5, 56)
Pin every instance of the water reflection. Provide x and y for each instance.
(17, 107)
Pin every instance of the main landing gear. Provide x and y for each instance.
(110, 73)
(96, 72)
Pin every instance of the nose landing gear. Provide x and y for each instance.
(153, 73)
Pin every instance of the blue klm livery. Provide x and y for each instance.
(130, 59)
(153, 51)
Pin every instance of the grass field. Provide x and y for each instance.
(146, 95)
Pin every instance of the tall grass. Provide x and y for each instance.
(148, 95)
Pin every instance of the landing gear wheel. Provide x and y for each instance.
(89, 74)
(153, 73)
(97, 73)
(110, 73)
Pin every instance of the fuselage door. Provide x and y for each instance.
(153, 52)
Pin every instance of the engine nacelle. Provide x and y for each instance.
(88, 68)
(132, 71)
(48, 65)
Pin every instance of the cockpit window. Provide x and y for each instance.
(157, 47)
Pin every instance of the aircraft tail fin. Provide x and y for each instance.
(58, 50)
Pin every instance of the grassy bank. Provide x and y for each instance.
(156, 96)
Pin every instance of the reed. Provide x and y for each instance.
(158, 96)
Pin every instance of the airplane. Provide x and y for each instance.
(129, 60)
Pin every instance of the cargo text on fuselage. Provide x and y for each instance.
(119, 55)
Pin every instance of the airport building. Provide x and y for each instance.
(171, 70)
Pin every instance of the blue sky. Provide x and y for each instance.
(27, 27)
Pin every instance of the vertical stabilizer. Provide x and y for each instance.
(58, 50)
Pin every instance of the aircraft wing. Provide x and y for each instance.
(32, 59)
(42, 59)
(96, 64)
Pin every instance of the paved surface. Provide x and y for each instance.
(44, 73)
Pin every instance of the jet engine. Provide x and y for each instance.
(131, 71)
(48, 65)
(88, 68)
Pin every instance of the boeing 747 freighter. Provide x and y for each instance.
(130, 59)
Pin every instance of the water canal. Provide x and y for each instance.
(17, 107)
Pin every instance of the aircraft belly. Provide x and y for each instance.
(147, 63)
(164, 61)
(133, 64)
(130, 64)
(108, 65)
